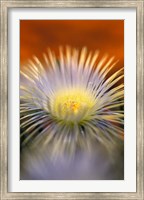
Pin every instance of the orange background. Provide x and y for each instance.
(104, 35)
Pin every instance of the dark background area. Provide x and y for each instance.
(36, 36)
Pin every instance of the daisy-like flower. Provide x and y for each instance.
(71, 100)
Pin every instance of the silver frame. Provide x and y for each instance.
(5, 4)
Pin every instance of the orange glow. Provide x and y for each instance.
(105, 35)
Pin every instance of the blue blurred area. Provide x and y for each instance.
(95, 165)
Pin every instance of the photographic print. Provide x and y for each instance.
(72, 99)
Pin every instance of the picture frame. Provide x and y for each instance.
(139, 5)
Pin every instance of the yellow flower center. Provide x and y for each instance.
(72, 104)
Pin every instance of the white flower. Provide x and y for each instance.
(69, 100)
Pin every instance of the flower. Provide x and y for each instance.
(69, 101)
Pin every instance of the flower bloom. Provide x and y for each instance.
(71, 100)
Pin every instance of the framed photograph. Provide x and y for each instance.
(72, 99)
